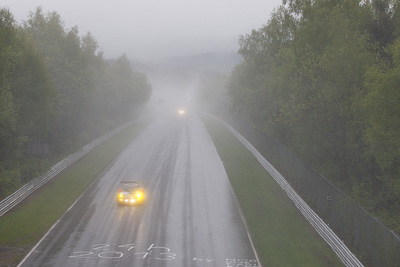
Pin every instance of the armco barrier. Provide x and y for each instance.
(15, 198)
(372, 242)
(319, 225)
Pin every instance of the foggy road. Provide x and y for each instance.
(190, 217)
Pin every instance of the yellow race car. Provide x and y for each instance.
(130, 193)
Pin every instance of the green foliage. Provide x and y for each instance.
(328, 76)
(7, 115)
(382, 23)
(131, 87)
(90, 89)
(57, 91)
(8, 110)
(322, 78)
(380, 110)
(9, 180)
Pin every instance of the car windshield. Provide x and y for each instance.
(130, 187)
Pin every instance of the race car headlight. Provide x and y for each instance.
(121, 195)
(139, 195)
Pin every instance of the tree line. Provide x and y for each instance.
(57, 93)
(322, 77)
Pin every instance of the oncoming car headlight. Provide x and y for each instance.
(181, 111)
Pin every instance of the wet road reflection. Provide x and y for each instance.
(190, 217)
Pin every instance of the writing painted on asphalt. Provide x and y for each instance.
(104, 251)
(153, 252)
(241, 263)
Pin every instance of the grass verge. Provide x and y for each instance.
(280, 233)
(22, 227)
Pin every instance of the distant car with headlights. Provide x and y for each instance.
(131, 193)
(181, 111)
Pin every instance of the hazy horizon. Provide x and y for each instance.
(149, 31)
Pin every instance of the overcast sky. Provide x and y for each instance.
(149, 30)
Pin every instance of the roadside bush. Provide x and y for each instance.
(8, 182)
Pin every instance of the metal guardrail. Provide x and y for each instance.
(341, 250)
(319, 225)
(15, 198)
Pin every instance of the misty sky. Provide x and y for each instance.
(149, 30)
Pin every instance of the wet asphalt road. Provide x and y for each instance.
(190, 217)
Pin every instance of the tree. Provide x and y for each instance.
(27, 93)
(33, 92)
(131, 87)
(8, 113)
(26, 102)
(7, 122)
(55, 90)
(380, 109)
(63, 53)
(304, 82)
(381, 25)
